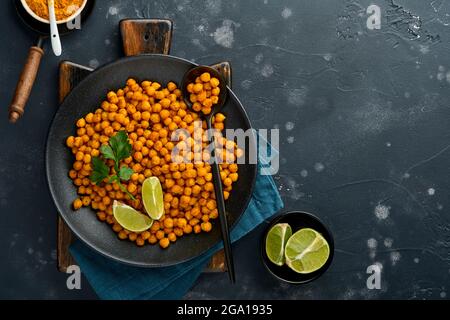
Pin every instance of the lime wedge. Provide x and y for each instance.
(276, 239)
(306, 251)
(152, 197)
(131, 219)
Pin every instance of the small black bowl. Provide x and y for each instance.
(297, 220)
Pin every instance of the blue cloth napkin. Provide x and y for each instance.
(113, 280)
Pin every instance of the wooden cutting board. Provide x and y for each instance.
(139, 36)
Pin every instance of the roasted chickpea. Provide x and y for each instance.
(164, 242)
(77, 204)
(205, 77)
(150, 113)
(206, 226)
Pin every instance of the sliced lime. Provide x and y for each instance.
(276, 239)
(306, 251)
(131, 219)
(152, 197)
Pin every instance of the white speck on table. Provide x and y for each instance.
(424, 49)
(267, 70)
(328, 56)
(447, 76)
(382, 212)
(388, 242)
(319, 167)
(214, 7)
(286, 13)
(289, 126)
(112, 11)
(297, 96)
(224, 35)
(441, 73)
(395, 257)
(259, 58)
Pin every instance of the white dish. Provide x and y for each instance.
(35, 16)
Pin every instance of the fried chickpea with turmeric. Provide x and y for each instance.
(204, 93)
(150, 113)
(77, 204)
(164, 242)
(206, 226)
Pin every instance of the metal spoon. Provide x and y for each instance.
(190, 77)
(56, 41)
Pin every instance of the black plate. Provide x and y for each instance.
(297, 220)
(85, 98)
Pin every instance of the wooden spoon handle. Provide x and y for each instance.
(25, 84)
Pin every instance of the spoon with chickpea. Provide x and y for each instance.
(205, 92)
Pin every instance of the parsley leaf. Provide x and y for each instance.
(120, 146)
(100, 170)
(118, 149)
(107, 152)
(125, 173)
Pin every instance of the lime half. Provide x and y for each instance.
(152, 197)
(276, 239)
(131, 219)
(306, 251)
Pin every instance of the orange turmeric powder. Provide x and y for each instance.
(63, 8)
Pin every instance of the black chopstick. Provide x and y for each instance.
(217, 181)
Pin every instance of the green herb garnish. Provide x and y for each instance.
(117, 150)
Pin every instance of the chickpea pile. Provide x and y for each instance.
(204, 93)
(150, 113)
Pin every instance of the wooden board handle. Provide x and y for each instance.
(25, 84)
(70, 75)
(225, 69)
(140, 36)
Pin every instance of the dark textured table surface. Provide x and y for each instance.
(364, 122)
